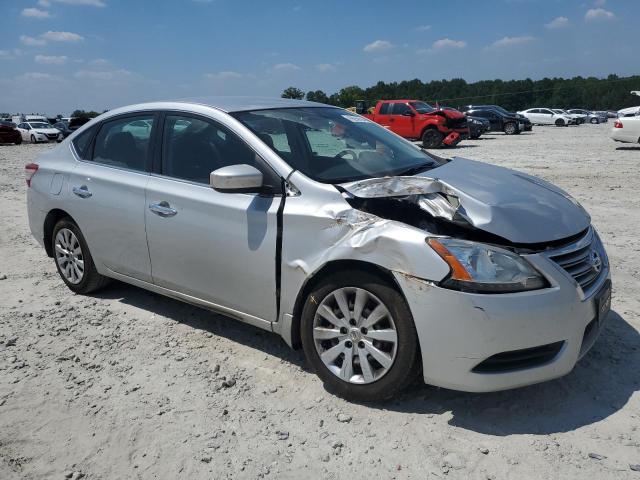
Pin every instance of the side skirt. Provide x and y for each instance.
(198, 302)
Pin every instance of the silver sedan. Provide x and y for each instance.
(376, 257)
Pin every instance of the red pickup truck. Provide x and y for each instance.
(417, 120)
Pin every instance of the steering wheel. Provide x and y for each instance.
(353, 154)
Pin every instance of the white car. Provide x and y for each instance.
(626, 130)
(35, 132)
(629, 112)
(546, 116)
(576, 119)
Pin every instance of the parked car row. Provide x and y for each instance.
(36, 129)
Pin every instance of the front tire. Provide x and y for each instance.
(359, 337)
(594, 121)
(432, 138)
(560, 123)
(33, 139)
(18, 141)
(73, 258)
(510, 128)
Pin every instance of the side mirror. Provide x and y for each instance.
(408, 113)
(236, 179)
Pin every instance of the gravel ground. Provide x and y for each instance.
(128, 384)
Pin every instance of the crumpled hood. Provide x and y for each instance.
(513, 205)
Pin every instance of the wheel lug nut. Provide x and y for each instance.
(348, 344)
(361, 344)
(352, 321)
(363, 330)
(343, 330)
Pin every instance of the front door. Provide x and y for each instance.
(403, 120)
(217, 247)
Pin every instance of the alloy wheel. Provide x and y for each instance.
(69, 256)
(355, 335)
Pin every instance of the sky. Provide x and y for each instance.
(59, 55)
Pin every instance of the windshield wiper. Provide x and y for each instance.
(414, 170)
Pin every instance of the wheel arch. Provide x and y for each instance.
(322, 273)
(50, 221)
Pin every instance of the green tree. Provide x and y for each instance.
(317, 96)
(83, 114)
(293, 92)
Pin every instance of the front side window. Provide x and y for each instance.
(422, 107)
(194, 147)
(124, 142)
(332, 145)
(400, 108)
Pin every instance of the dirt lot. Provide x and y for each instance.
(128, 384)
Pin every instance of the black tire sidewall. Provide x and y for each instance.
(508, 126)
(437, 135)
(90, 272)
(403, 369)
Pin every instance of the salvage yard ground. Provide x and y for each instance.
(129, 384)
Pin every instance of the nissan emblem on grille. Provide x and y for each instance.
(596, 263)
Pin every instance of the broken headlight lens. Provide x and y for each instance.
(477, 267)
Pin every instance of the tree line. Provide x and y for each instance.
(610, 93)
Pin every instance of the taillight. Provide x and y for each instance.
(30, 170)
(618, 124)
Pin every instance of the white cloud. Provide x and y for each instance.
(35, 13)
(44, 3)
(34, 76)
(423, 28)
(99, 61)
(50, 59)
(558, 22)
(102, 75)
(5, 55)
(285, 67)
(595, 14)
(599, 3)
(448, 43)
(325, 67)
(225, 75)
(31, 41)
(512, 41)
(61, 36)
(378, 46)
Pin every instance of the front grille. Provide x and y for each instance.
(584, 260)
(52, 135)
(519, 359)
(457, 122)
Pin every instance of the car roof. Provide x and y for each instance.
(226, 104)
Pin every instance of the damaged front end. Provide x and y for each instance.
(470, 200)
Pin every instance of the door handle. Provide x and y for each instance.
(163, 209)
(82, 192)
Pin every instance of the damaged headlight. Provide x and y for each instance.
(478, 267)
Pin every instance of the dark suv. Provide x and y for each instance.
(499, 122)
(528, 126)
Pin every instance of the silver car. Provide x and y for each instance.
(379, 259)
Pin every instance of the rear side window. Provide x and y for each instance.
(384, 109)
(82, 143)
(124, 142)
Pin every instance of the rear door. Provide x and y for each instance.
(383, 116)
(217, 247)
(107, 197)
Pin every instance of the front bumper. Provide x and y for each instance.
(458, 331)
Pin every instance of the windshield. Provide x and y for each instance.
(39, 125)
(422, 107)
(331, 145)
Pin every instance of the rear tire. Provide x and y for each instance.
(18, 141)
(80, 277)
(376, 382)
(33, 139)
(510, 128)
(594, 121)
(432, 138)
